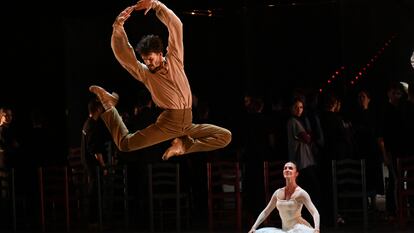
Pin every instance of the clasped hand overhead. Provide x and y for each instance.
(140, 5)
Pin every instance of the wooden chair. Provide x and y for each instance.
(77, 181)
(405, 189)
(273, 179)
(54, 197)
(7, 199)
(349, 190)
(167, 199)
(76, 168)
(224, 195)
(113, 197)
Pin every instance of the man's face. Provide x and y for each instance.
(394, 95)
(363, 99)
(153, 61)
(6, 117)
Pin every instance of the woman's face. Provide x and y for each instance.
(297, 109)
(290, 170)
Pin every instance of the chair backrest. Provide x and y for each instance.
(5, 184)
(166, 197)
(114, 198)
(405, 188)
(273, 176)
(76, 169)
(405, 174)
(164, 178)
(7, 196)
(273, 179)
(349, 184)
(224, 194)
(54, 195)
(77, 178)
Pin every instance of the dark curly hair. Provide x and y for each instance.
(149, 44)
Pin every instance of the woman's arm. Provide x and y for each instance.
(306, 200)
(266, 211)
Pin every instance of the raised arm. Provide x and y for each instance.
(121, 47)
(265, 212)
(172, 22)
(306, 200)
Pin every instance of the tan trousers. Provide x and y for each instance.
(170, 124)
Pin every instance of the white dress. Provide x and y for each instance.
(290, 214)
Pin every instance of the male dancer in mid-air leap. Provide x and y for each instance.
(167, 82)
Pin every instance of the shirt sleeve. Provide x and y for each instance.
(125, 53)
(174, 25)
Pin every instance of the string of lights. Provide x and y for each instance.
(352, 77)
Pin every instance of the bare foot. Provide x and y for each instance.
(176, 149)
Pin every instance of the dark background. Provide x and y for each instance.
(52, 53)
